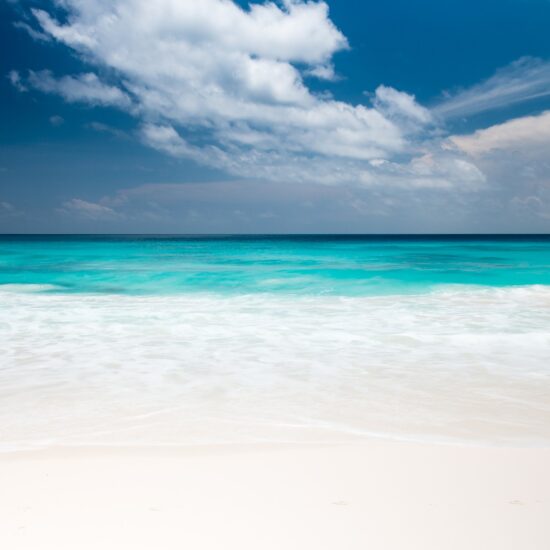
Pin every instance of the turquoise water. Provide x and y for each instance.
(345, 266)
(226, 340)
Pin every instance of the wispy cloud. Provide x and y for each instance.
(107, 129)
(8, 210)
(16, 81)
(525, 79)
(33, 33)
(89, 210)
(87, 88)
(56, 120)
(238, 206)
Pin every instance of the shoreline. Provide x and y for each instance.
(100, 370)
(75, 450)
(377, 494)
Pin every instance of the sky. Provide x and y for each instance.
(218, 116)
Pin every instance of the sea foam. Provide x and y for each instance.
(461, 363)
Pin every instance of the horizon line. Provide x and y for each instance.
(66, 234)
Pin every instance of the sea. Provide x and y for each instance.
(223, 340)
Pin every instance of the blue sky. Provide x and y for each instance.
(216, 116)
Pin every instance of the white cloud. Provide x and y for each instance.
(166, 139)
(33, 33)
(526, 134)
(432, 170)
(524, 80)
(85, 88)
(399, 105)
(15, 79)
(225, 86)
(514, 157)
(89, 210)
(435, 169)
(323, 72)
(299, 32)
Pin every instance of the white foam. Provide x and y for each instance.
(461, 363)
(29, 287)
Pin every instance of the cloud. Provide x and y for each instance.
(323, 72)
(15, 79)
(8, 211)
(401, 106)
(166, 139)
(107, 129)
(433, 170)
(89, 210)
(57, 120)
(532, 205)
(6, 207)
(527, 134)
(514, 158)
(225, 86)
(244, 206)
(33, 33)
(85, 88)
(524, 80)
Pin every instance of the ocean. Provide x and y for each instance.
(196, 340)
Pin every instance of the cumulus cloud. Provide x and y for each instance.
(229, 88)
(323, 72)
(225, 86)
(524, 80)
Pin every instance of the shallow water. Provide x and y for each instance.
(350, 266)
(193, 341)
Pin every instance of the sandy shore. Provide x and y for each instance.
(376, 495)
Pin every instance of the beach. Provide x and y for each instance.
(268, 393)
(274, 275)
(454, 365)
(377, 494)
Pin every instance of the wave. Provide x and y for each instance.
(29, 288)
(459, 363)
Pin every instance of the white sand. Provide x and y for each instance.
(377, 495)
